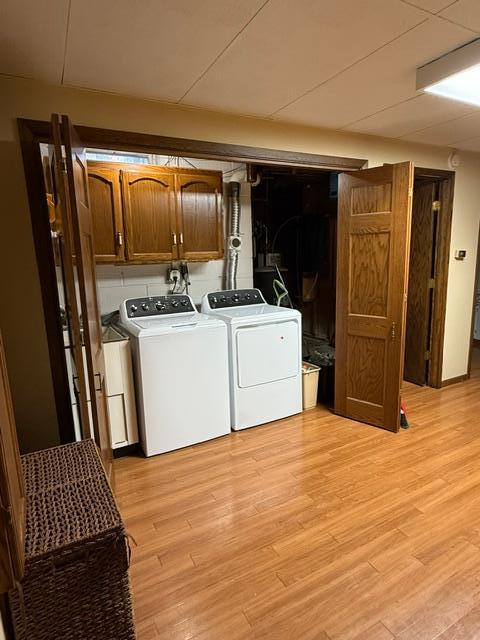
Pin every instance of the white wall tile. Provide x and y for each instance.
(144, 274)
(109, 275)
(112, 297)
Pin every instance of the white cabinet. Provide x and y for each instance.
(119, 388)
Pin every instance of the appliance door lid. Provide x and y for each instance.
(267, 353)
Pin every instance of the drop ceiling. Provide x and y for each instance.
(348, 64)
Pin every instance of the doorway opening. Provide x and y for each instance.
(294, 218)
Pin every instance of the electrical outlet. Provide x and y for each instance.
(173, 275)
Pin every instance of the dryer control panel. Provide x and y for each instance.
(234, 298)
(158, 306)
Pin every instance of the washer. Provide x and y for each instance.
(265, 347)
(181, 372)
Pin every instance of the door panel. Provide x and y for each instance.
(105, 205)
(419, 290)
(199, 210)
(12, 490)
(267, 353)
(149, 206)
(67, 262)
(374, 214)
(82, 231)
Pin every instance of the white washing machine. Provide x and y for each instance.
(265, 349)
(181, 372)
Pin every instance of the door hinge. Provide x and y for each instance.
(436, 205)
(427, 355)
(431, 283)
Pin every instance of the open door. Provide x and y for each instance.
(12, 490)
(374, 218)
(80, 221)
(66, 252)
(420, 284)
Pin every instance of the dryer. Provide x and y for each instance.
(181, 372)
(265, 356)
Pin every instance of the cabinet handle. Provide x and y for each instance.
(120, 238)
(181, 238)
(174, 239)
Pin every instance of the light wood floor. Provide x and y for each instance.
(314, 528)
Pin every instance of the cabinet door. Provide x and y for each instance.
(105, 205)
(149, 209)
(200, 219)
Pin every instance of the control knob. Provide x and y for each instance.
(236, 297)
(145, 306)
(213, 299)
(133, 308)
(184, 303)
(160, 306)
(223, 299)
(174, 303)
(247, 296)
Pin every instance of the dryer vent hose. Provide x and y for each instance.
(233, 232)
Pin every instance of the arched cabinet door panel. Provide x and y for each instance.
(149, 215)
(199, 215)
(105, 205)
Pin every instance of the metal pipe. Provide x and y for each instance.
(234, 232)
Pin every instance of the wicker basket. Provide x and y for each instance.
(76, 584)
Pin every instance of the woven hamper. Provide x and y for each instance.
(76, 584)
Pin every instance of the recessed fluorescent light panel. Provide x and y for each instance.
(455, 75)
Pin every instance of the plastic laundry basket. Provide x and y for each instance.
(309, 385)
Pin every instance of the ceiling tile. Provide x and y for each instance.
(464, 12)
(434, 6)
(448, 133)
(470, 145)
(149, 49)
(412, 115)
(384, 79)
(288, 50)
(32, 38)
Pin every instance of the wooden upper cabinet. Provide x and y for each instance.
(149, 213)
(199, 215)
(106, 209)
(146, 214)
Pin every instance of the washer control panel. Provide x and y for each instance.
(234, 298)
(158, 306)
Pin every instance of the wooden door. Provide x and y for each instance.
(66, 256)
(374, 215)
(420, 284)
(82, 231)
(200, 219)
(12, 490)
(105, 205)
(149, 209)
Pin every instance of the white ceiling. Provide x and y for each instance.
(343, 64)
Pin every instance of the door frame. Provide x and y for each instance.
(472, 330)
(34, 132)
(446, 185)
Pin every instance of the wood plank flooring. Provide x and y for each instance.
(314, 528)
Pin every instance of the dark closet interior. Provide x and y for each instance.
(294, 217)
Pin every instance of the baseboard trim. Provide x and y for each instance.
(449, 381)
